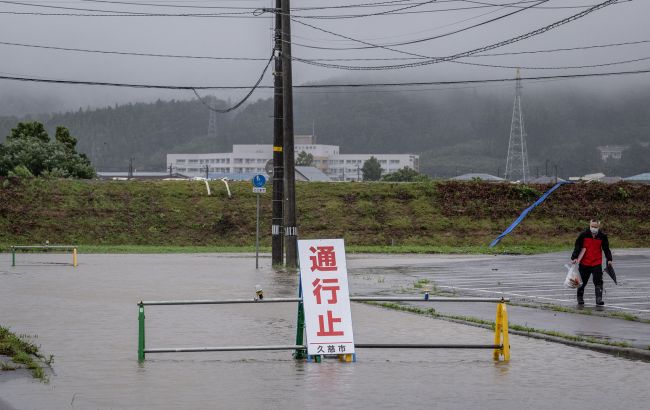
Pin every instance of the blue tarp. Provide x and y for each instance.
(526, 212)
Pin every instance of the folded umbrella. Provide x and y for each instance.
(610, 271)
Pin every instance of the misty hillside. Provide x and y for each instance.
(454, 131)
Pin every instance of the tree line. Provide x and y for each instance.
(453, 131)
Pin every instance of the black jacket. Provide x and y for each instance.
(595, 245)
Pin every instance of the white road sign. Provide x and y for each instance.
(324, 278)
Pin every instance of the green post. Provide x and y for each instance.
(141, 333)
(13, 256)
(300, 328)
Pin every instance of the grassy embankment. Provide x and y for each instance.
(444, 217)
(22, 353)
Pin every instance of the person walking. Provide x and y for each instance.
(594, 242)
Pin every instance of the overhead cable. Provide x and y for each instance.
(243, 100)
(310, 86)
(421, 40)
(435, 60)
(227, 58)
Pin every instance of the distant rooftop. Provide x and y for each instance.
(138, 175)
(312, 174)
(543, 179)
(472, 176)
(645, 177)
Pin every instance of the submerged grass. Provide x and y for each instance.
(469, 319)
(22, 352)
(582, 311)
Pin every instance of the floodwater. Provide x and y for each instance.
(87, 318)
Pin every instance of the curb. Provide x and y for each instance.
(625, 352)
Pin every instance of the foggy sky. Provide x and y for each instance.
(627, 21)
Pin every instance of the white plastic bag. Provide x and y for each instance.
(573, 279)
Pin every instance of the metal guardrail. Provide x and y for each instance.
(45, 247)
(426, 298)
(501, 344)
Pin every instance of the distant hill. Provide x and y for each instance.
(454, 131)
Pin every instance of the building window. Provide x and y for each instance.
(394, 161)
(180, 161)
(238, 161)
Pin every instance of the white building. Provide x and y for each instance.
(612, 151)
(252, 158)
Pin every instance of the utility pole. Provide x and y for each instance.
(277, 245)
(130, 167)
(358, 175)
(170, 170)
(207, 170)
(290, 223)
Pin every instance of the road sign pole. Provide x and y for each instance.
(257, 234)
(258, 188)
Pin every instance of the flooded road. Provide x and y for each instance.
(87, 318)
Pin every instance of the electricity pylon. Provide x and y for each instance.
(517, 162)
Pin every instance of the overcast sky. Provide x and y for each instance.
(251, 37)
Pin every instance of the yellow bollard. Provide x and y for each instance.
(497, 332)
(504, 329)
(74, 257)
(501, 333)
(345, 358)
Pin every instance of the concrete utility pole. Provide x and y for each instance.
(290, 223)
(277, 222)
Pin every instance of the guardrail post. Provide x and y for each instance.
(13, 256)
(300, 326)
(74, 257)
(501, 333)
(140, 332)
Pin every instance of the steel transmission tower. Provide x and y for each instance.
(212, 123)
(517, 162)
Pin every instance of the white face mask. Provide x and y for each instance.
(594, 231)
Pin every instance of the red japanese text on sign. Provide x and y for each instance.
(324, 260)
(327, 285)
(331, 320)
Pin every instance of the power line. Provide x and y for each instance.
(250, 13)
(315, 86)
(117, 13)
(428, 38)
(479, 5)
(243, 100)
(512, 53)
(130, 53)
(435, 60)
(203, 57)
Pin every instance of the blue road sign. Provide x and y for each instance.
(259, 180)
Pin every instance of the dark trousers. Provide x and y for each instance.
(586, 272)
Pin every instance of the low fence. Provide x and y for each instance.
(501, 346)
(46, 248)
